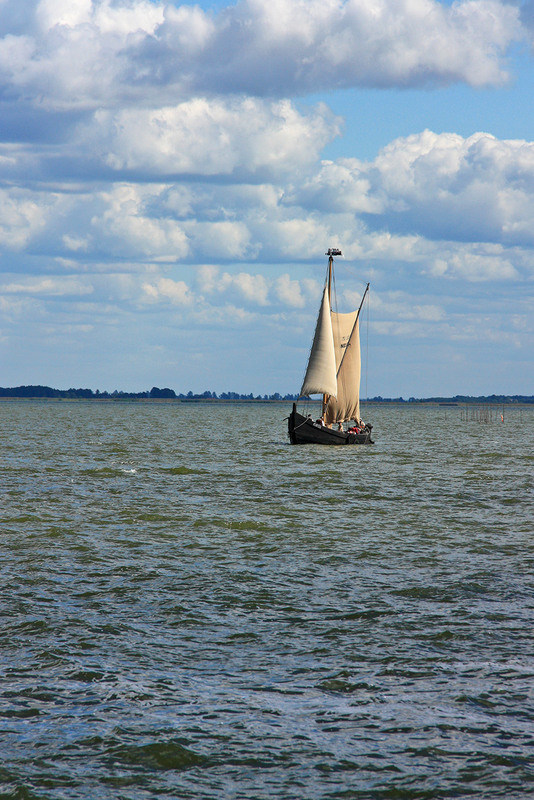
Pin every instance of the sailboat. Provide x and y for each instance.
(333, 371)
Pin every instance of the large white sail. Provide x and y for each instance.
(320, 375)
(346, 404)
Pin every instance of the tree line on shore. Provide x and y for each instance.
(169, 394)
(153, 394)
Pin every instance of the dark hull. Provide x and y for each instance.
(303, 430)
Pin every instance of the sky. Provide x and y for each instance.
(172, 175)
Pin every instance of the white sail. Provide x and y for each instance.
(346, 404)
(320, 375)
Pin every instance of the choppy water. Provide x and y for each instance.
(192, 608)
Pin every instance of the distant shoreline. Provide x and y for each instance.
(155, 395)
(177, 401)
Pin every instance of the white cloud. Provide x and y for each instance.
(207, 278)
(440, 186)
(213, 137)
(50, 13)
(54, 287)
(74, 55)
(86, 54)
(273, 46)
(75, 243)
(226, 315)
(257, 289)
(339, 186)
(252, 288)
(220, 239)
(15, 53)
(419, 196)
(187, 29)
(211, 282)
(177, 292)
(292, 235)
(474, 267)
(288, 292)
(125, 227)
(400, 306)
(21, 217)
(427, 313)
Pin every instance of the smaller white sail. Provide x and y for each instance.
(320, 375)
(346, 404)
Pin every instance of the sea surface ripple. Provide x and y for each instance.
(193, 608)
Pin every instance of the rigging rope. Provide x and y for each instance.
(367, 344)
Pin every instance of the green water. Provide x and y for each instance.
(192, 608)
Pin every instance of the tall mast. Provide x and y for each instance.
(332, 251)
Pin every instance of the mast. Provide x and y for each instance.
(332, 251)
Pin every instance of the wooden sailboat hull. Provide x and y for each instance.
(304, 430)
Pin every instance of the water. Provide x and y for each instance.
(192, 608)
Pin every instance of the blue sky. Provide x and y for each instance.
(171, 176)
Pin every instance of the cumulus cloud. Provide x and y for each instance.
(420, 192)
(288, 291)
(177, 292)
(474, 266)
(242, 139)
(93, 53)
(73, 55)
(22, 215)
(105, 59)
(479, 187)
(257, 289)
(214, 137)
(124, 226)
(317, 44)
(222, 239)
(253, 288)
(440, 186)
